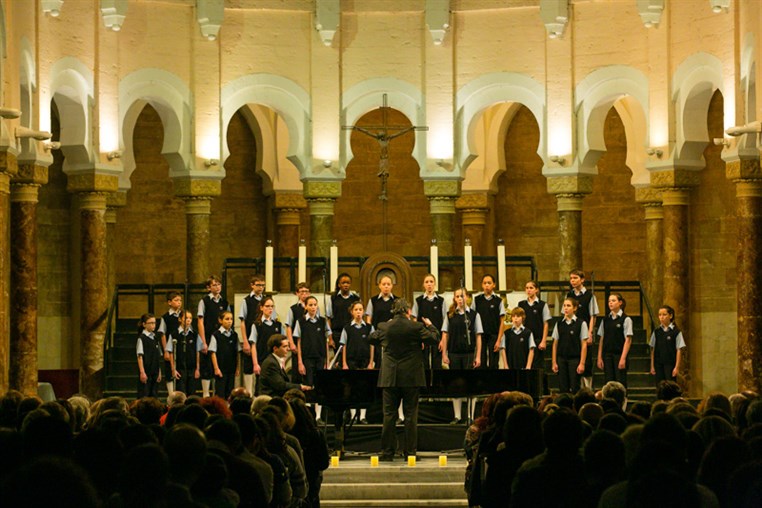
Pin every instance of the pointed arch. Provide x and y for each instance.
(262, 122)
(749, 89)
(72, 89)
(283, 96)
(626, 89)
(367, 96)
(476, 96)
(694, 83)
(171, 98)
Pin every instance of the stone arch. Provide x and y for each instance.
(171, 99)
(626, 89)
(283, 96)
(27, 83)
(476, 96)
(695, 81)
(2, 44)
(72, 90)
(367, 96)
(261, 123)
(749, 89)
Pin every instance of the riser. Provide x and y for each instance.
(358, 491)
(392, 473)
(400, 503)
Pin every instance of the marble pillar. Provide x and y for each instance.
(23, 347)
(8, 168)
(442, 196)
(114, 201)
(198, 211)
(570, 234)
(288, 216)
(94, 292)
(654, 217)
(474, 211)
(321, 196)
(676, 201)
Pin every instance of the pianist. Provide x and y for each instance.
(273, 379)
(402, 374)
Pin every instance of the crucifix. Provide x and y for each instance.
(384, 134)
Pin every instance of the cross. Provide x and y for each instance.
(381, 134)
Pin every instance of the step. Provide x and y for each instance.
(396, 503)
(406, 490)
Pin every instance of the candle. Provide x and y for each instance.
(301, 275)
(334, 271)
(411, 460)
(374, 461)
(334, 461)
(442, 460)
(269, 268)
(469, 262)
(501, 282)
(434, 263)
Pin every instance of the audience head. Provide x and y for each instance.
(176, 399)
(615, 390)
(604, 458)
(582, 397)
(668, 390)
(185, 446)
(562, 432)
(591, 413)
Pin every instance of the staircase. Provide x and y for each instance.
(394, 484)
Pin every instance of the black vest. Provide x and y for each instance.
(358, 347)
(569, 343)
(613, 334)
(489, 311)
(312, 337)
(212, 311)
(252, 309)
(227, 351)
(459, 339)
(264, 332)
(382, 310)
(533, 319)
(184, 350)
(517, 347)
(583, 312)
(171, 323)
(431, 309)
(297, 313)
(666, 350)
(340, 308)
(151, 354)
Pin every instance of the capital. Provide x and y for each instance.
(438, 188)
(743, 169)
(576, 185)
(322, 189)
(189, 187)
(672, 178)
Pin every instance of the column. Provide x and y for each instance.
(321, 196)
(197, 194)
(474, 210)
(745, 174)
(114, 201)
(442, 195)
(650, 198)
(569, 191)
(8, 168)
(288, 215)
(23, 346)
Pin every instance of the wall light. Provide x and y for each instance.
(211, 162)
(116, 154)
(327, 163)
(724, 142)
(51, 145)
(557, 159)
(655, 151)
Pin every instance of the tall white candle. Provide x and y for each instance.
(269, 269)
(434, 264)
(469, 262)
(501, 282)
(302, 264)
(334, 271)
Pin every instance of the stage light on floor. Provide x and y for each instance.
(411, 460)
(374, 461)
(335, 461)
(442, 460)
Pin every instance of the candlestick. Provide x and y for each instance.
(501, 282)
(434, 263)
(301, 272)
(269, 267)
(334, 270)
(469, 268)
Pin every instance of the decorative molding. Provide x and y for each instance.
(570, 184)
(473, 200)
(31, 174)
(327, 18)
(654, 211)
(95, 201)
(198, 205)
(321, 206)
(288, 200)
(650, 12)
(438, 19)
(569, 202)
(186, 187)
(8, 163)
(676, 196)
(117, 199)
(748, 188)
(288, 217)
(113, 13)
(92, 183)
(675, 178)
(743, 169)
(648, 196)
(439, 205)
(555, 16)
(322, 189)
(24, 192)
(441, 188)
(209, 14)
(474, 216)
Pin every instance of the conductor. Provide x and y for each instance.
(401, 374)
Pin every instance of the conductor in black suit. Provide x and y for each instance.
(402, 374)
(273, 379)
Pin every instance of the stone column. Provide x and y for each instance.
(442, 195)
(8, 168)
(321, 196)
(23, 347)
(114, 201)
(474, 210)
(92, 189)
(288, 215)
(654, 217)
(197, 194)
(746, 175)
(675, 185)
(569, 191)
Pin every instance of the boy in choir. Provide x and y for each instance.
(210, 308)
(587, 311)
(491, 310)
(169, 323)
(517, 347)
(247, 315)
(615, 334)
